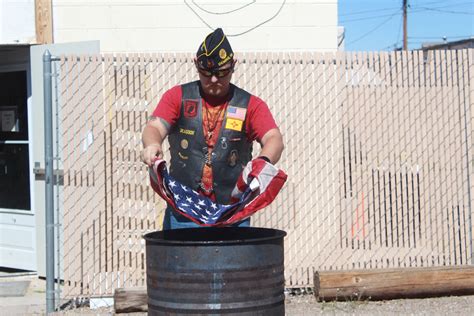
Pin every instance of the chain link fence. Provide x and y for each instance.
(378, 153)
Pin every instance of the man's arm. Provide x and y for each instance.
(153, 136)
(272, 145)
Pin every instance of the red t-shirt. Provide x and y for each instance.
(258, 121)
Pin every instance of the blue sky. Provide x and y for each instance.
(377, 24)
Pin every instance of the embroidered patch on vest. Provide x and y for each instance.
(182, 156)
(187, 131)
(190, 108)
(233, 158)
(236, 113)
(234, 124)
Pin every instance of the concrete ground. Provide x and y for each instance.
(15, 299)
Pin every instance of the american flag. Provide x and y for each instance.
(257, 187)
(236, 113)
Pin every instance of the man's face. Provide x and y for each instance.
(216, 82)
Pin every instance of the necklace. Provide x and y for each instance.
(212, 122)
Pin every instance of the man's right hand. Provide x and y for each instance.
(150, 152)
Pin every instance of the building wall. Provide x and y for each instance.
(17, 21)
(172, 25)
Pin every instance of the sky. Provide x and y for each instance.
(374, 25)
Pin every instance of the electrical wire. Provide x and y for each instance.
(411, 6)
(399, 28)
(226, 12)
(413, 9)
(443, 6)
(438, 37)
(366, 11)
(421, 9)
(374, 29)
(370, 18)
(241, 33)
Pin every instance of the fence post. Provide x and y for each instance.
(49, 195)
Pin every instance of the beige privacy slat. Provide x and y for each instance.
(378, 147)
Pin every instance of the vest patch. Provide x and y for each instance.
(234, 124)
(236, 113)
(182, 156)
(190, 108)
(187, 131)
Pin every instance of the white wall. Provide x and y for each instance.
(153, 25)
(17, 21)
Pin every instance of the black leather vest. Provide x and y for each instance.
(189, 149)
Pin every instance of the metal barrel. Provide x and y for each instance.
(206, 271)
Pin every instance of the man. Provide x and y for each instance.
(211, 125)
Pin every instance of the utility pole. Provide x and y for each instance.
(405, 36)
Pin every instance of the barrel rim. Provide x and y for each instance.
(278, 234)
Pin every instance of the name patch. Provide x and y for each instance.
(186, 131)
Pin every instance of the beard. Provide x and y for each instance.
(216, 90)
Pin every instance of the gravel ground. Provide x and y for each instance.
(454, 305)
(297, 303)
(302, 305)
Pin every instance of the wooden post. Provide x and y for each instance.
(130, 300)
(44, 22)
(383, 284)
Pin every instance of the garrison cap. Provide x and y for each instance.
(214, 51)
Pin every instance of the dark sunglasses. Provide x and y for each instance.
(219, 73)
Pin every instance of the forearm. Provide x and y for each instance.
(151, 135)
(273, 148)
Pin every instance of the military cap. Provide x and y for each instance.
(214, 51)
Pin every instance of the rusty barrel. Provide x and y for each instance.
(232, 271)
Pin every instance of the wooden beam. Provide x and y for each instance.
(44, 21)
(384, 284)
(130, 300)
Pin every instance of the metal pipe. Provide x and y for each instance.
(49, 195)
(57, 181)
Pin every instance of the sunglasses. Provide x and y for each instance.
(219, 73)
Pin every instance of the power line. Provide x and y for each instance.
(399, 28)
(436, 37)
(374, 29)
(366, 11)
(421, 9)
(413, 9)
(405, 30)
(444, 6)
(371, 17)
